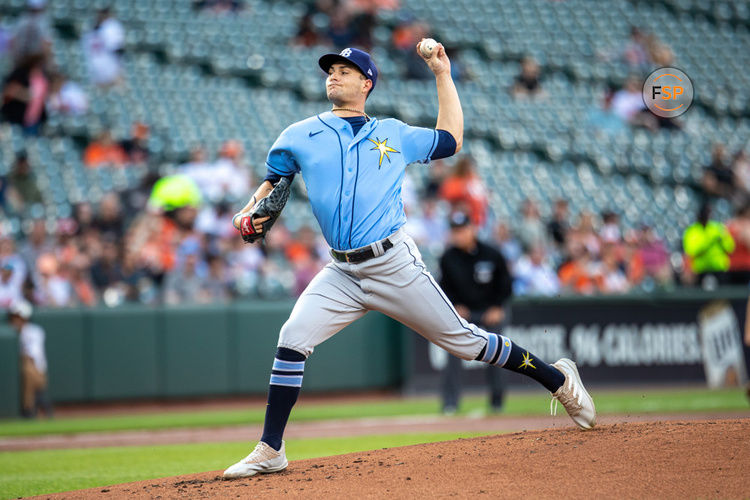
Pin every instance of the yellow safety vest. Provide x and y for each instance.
(708, 246)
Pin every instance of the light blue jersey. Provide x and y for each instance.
(353, 182)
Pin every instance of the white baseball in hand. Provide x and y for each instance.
(427, 47)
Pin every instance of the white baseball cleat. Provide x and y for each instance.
(263, 459)
(573, 396)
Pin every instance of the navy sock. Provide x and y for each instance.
(501, 351)
(286, 382)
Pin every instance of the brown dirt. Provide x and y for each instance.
(698, 459)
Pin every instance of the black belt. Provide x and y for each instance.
(357, 256)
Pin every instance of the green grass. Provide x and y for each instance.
(28, 473)
(607, 402)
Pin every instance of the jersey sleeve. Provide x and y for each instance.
(280, 158)
(418, 143)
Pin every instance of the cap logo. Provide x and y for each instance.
(369, 72)
(346, 52)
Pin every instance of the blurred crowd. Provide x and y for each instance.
(170, 240)
(36, 87)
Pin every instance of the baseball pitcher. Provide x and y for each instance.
(353, 166)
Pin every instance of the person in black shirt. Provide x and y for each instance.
(558, 227)
(718, 176)
(527, 83)
(475, 278)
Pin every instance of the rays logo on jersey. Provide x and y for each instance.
(383, 148)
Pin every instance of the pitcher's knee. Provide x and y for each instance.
(294, 337)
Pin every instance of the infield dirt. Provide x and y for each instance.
(697, 459)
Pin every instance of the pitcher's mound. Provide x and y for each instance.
(700, 459)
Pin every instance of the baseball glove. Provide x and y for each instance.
(270, 206)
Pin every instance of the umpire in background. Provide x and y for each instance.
(475, 277)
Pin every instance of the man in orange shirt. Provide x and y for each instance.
(465, 187)
(104, 151)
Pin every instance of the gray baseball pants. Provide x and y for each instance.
(397, 284)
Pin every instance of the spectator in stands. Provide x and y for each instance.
(532, 231)
(216, 283)
(66, 97)
(465, 187)
(305, 258)
(528, 81)
(429, 227)
(103, 47)
(708, 244)
(36, 244)
(10, 255)
(559, 225)
(136, 147)
(534, 275)
(611, 278)
(653, 254)
(244, 262)
(718, 177)
(198, 168)
(83, 215)
(104, 151)
(51, 289)
(68, 247)
(577, 275)
(84, 292)
(340, 28)
(23, 191)
(635, 52)
(106, 271)
(183, 284)
(137, 282)
(364, 22)
(109, 219)
(227, 178)
(627, 103)
(508, 244)
(33, 359)
(605, 119)
(739, 260)
(33, 34)
(659, 53)
(436, 175)
(307, 35)
(10, 289)
(25, 92)
(610, 230)
(584, 234)
(405, 36)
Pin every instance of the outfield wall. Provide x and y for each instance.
(140, 352)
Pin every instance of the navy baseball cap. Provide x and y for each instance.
(358, 58)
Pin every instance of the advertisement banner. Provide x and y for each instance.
(626, 341)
